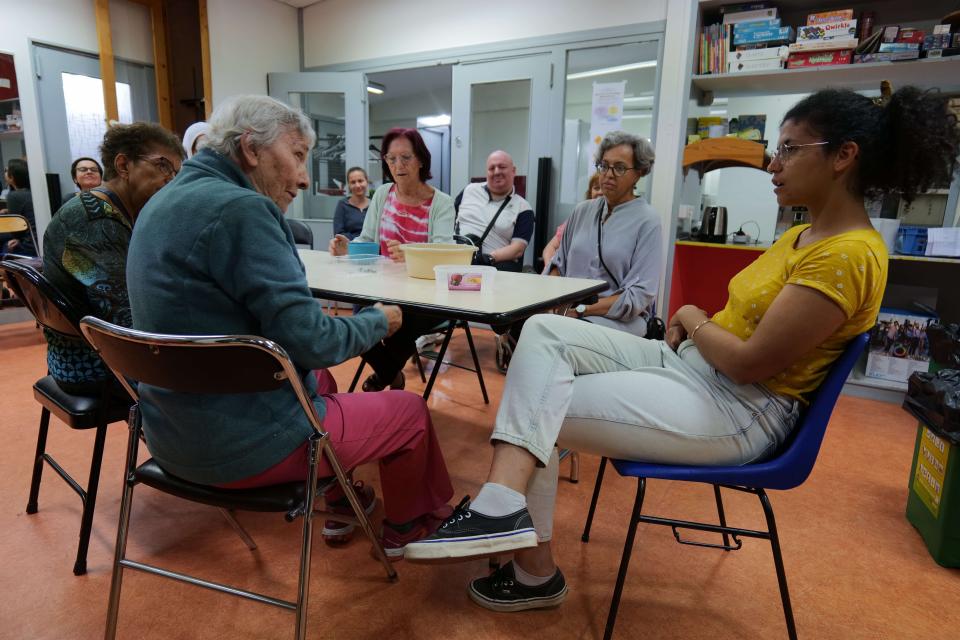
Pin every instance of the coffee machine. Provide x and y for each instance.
(713, 225)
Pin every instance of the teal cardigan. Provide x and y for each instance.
(210, 255)
(439, 226)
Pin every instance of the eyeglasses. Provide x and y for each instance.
(618, 169)
(405, 158)
(87, 170)
(784, 151)
(163, 165)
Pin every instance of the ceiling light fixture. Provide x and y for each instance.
(375, 88)
(608, 70)
(441, 120)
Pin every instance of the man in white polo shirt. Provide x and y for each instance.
(494, 216)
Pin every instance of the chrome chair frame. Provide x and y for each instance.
(104, 336)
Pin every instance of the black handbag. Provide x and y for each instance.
(480, 258)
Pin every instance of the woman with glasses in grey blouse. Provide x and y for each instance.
(616, 238)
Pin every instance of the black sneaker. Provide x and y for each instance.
(500, 591)
(468, 534)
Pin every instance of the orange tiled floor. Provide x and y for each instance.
(857, 569)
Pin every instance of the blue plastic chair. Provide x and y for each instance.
(788, 469)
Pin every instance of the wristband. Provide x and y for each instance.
(697, 328)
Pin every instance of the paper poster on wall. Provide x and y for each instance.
(86, 114)
(606, 115)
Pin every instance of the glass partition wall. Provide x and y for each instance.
(634, 63)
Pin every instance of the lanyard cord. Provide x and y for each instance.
(600, 217)
(115, 201)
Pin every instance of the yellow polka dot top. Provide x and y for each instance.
(849, 268)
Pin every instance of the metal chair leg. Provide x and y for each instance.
(306, 547)
(123, 527)
(90, 501)
(447, 334)
(419, 361)
(356, 376)
(38, 461)
(476, 362)
(625, 560)
(238, 528)
(593, 501)
(778, 563)
(723, 519)
(574, 467)
(360, 513)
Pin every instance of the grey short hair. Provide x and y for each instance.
(642, 151)
(265, 118)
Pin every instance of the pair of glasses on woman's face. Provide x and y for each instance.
(88, 170)
(618, 169)
(163, 165)
(404, 159)
(785, 151)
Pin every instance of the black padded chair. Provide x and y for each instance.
(302, 233)
(55, 313)
(217, 365)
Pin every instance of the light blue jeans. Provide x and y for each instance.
(607, 392)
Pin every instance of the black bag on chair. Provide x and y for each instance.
(484, 259)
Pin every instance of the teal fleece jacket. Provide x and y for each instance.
(211, 255)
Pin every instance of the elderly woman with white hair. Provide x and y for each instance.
(212, 254)
(616, 238)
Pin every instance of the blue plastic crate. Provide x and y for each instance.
(912, 241)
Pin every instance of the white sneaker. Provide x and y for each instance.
(429, 339)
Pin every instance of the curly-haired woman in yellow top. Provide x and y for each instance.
(721, 390)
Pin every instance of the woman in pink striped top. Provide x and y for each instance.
(403, 211)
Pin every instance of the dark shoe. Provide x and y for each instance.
(395, 543)
(500, 591)
(372, 383)
(468, 534)
(335, 532)
(505, 346)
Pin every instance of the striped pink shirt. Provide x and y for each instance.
(403, 222)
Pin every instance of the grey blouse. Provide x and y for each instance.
(631, 242)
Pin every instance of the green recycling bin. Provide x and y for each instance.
(933, 503)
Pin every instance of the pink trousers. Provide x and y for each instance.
(390, 427)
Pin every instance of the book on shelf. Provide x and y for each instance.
(767, 64)
(765, 53)
(886, 56)
(806, 59)
(824, 45)
(714, 48)
(899, 46)
(743, 6)
(754, 15)
(830, 16)
(771, 35)
(762, 24)
(828, 30)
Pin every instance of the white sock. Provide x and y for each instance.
(496, 500)
(529, 579)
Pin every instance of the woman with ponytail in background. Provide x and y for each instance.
(721, 390)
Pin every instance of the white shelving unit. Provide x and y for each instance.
(939, 73)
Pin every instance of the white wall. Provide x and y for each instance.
(344, 30)
(748, 193)
(248, 40)
(65, 23)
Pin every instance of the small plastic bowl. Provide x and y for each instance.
(363, 248)
(457, 277)
(361, 263)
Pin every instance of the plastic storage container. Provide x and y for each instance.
(456, 277)
(361, 263)
(912, 241)
(363, 248)
(422, 257)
